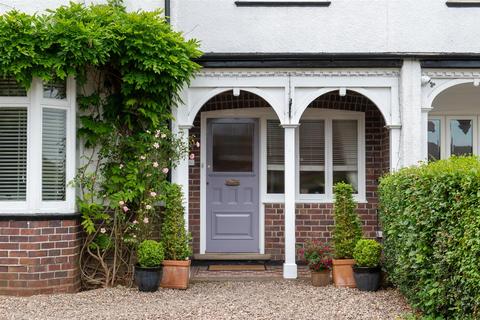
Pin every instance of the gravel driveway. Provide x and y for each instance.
(212, 300)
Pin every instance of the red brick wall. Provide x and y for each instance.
(39, 256)
(313, 221)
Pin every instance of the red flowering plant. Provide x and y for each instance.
(317, 254)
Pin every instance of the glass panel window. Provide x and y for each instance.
(345, 152)
(434, 139)
(13, 154)
(55, 89)
(312, 157)
(275, 157)
(233, 145)
(461, 137)
(54, 154)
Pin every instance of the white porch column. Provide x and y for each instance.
(180, 173)
(395, 138)
(411, 113)
(290, 267)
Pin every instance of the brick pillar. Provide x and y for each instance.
(39, 255)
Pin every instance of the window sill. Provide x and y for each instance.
(463, 3)
(291, 3)
(356, 198)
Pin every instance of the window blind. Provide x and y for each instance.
(54, 154)
(10, 88)
(13, 154)
(275, 143)
(345, 143)
(312, 143)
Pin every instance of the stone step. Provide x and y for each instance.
(232, 256)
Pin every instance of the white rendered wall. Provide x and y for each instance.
(346, 26)
(33, 6)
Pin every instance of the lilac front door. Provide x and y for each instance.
(232, 185)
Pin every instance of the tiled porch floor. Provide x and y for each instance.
(272, 272)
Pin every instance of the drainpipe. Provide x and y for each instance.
(167, 10)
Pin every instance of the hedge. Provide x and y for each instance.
(431, 222)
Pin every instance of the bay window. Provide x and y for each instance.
(330, 149)
(37, 147)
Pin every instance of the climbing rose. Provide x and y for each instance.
(121, 166)
(103, 230)
(197, 144)
(156, 145)
(192, 156)
(135, 222)
(155, 164)
(165, 170)
(145, 220)
(153, 194)
(125, 209)
(163, 136)
(148, 207)
(143, 157)
(121, 203)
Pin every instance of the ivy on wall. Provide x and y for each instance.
(131, 67)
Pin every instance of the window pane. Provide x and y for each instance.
(345, 152)
(54, 154)
(275, 157)
(10, 88)
(232, 147)
(13, 154)
(461, 133)
(55, 89)
(312, 157)
(434, 140)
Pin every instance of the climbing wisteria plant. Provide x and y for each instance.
(135, 65)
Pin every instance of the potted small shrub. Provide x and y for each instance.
(366, 270)
(318, 257)
(148, 270)
(176, 266)
(346, 233)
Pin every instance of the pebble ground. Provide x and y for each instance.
(276, 300)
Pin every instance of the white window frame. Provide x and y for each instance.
(35, 104)
(445, 134)
(328, 115)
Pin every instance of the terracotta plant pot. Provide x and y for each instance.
(320, 278)
(176, 274)
(343, 273)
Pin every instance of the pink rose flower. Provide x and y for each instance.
(165, 170)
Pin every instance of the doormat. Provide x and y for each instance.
(236, 267)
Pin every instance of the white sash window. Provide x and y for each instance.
(37, 147)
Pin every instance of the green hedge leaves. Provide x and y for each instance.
(431, 221)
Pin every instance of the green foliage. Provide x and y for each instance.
(174, 236)
(348, 229)
(135, 65)
(150, 254)
(431, 221)
(367, 253)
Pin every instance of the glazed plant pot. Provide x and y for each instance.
(367, 279)
(176, 274)
(320, 278)
(147, 279)
(342, 273)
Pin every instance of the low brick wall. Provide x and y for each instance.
(39, 256)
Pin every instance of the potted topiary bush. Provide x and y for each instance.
(148, 270)
(176, 266)
(346, 233)
(366, 270)
(318, 257)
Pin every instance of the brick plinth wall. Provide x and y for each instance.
(313, 220)
(39, 256)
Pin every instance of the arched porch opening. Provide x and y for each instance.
(222, 126)
(340, 138)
